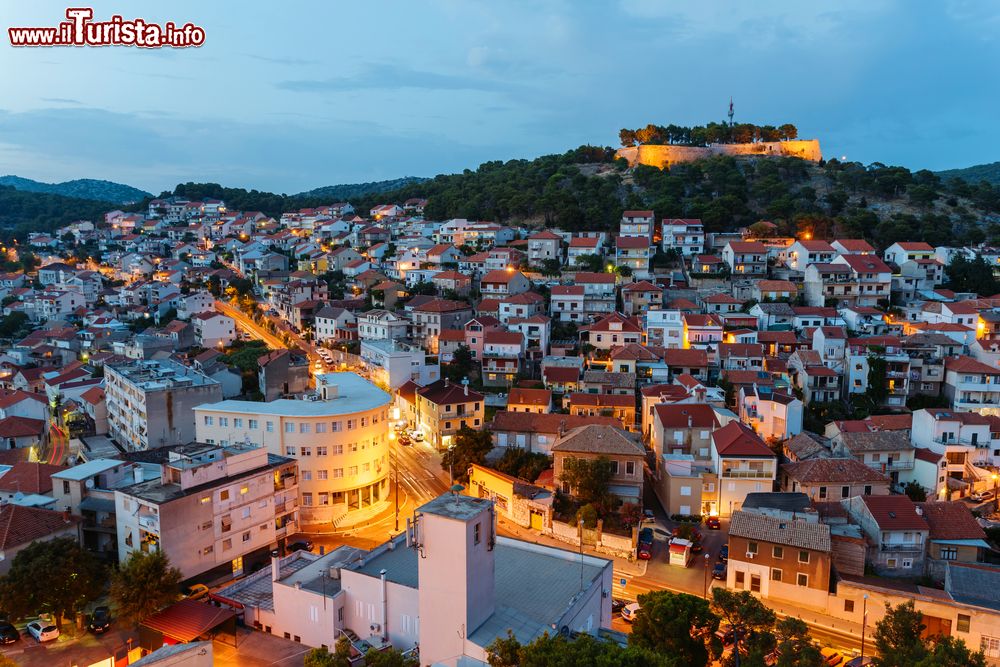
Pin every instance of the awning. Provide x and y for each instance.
(623, 491)
(964, 543)
(187, 620)
(94, 504)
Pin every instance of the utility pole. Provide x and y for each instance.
(730, 111)
(864, 622)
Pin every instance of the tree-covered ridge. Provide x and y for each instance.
(22, 212)
(346, 192)
(974, 174)
(80, 188)
(702, 135)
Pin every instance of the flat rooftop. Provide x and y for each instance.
(454, 506)
(160, 374)
(155, 491)
(88, 469)
(257, 590)
(354, 394)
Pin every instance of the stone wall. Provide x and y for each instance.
(658, 155)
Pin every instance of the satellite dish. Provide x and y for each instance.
(89, 483)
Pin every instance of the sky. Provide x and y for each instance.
(288, 96)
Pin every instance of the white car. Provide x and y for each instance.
(418, 436)
(629, 611)
(43, 632)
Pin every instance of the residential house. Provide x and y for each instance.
(529, 400)
(444, 408)
(535, 432)
(686, 236)
(746, 258)
(501, 283)
(501, 359)
(544, 246)
(742, 464)
(595, 441)
(635, 253)
(618, 406)
(824, 479)
(639, 297)
(25, 526)
(903, 251)
(971, 385)
(773, 415)
(953, 536)
(888, 452)
(804, 252)
(897, 531)
(214, 329)
(638, 224)
(433, 317)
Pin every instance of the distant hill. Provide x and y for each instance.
(355, 190)
(81, 188)
(22, 212)
(980, 172)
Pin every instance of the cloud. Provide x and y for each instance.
(283, 61)
(61, 100)
(384, 76)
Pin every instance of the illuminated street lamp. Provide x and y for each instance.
(708, 559)
(996, 504)
(864, 622)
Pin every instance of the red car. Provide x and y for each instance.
(645, 551)
(713, 523)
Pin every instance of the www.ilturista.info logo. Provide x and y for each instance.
(81, 30)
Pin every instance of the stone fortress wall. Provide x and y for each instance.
(659, 155)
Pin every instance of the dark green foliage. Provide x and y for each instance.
(795, 647)
(747, 615)
(976, 174)
(674, 624)
(897, 637)
(332, 193)
(523, 464)
(81, 188)
(712, 133)
(972, 275)
(952, 652)
(244, 355)
(915, 492)
(142, 585)
(22, 212)
(470, 446)
(562, 651)
(322, 657)
(460, 365)
(13, 323)
(877, 389)
(588, 478)
(55, 576)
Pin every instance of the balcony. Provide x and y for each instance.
(746, 473)
(890, 467)
(150, 523)
(902, 546)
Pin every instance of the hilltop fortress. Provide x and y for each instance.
(661, 155)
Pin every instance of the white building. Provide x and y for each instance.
(150, 401)
(392, 363)
(340, 436)
(686, 236)
(213, 329)
(381, 324)
(213, 509)
(449, 570)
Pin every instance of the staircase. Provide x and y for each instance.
(361, 516)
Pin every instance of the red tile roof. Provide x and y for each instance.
(22, 525)
(532, 422)
(963, 364)
(602, 400)
(444, 392)
(735, 439)
(18, 427)
(832, 470)
(683, 415)
(561, 374)
(632, 242)
(523, 396)
(29, 477)
(895, 513)
(691, 358)
(855, 245)
(951, 521)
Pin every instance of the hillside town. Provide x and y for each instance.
(311, 415)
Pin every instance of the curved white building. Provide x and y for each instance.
(340, 437)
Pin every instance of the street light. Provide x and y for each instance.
(996, 504)
(864, 622)
(708, 559)
(395, 474)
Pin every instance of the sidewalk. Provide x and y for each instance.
(631, 568)
(386, 513)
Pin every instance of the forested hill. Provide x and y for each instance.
(81, 188)
(980, 172)
(22, 212)
(587, 189)
(335, 193)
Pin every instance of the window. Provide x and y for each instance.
(254, 424)
(775, 574)
(245, 513)
(755, 583)
(227, 544)
(307, 475)
(246, 536)
(891, 563)
(740, 578)
(304, 428)
(335, 427)
(223, 421)
(307, 451)
(845, 491)
(685, 490)
(751, 547)
(353, 471)
(630, 468)
(822, 492)
(321, 427)
(321, 451)
(207, 550)
(338, 473)
(476, 533)
(224, 495)
(237, 422)
(614, 467)
(289, 427)
(324, 498)
(964, 621)
(307, 498)
(244, 490)
(269, 427)
(907, 563)
(803, 556)
(849, 606)
(350, 424)
(338, 449)
(868, 489)
(802, 579)
(320, 474)
(949, 553)
(290, 451)
(206, 499)
(778, 552)
(209, 420)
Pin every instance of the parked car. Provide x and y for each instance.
(646, 536)
(8, 633)
(648, 515)
(617, 604)
(630, 611)
(859, 661)
(724, 553)
(713, 523)
(976, 497)
(196, 591)
(831, 656)
(42, 631)
(719, 571)
(418, 436)
(300, 545)
(644, 551)
(100, 620)
(404, 440)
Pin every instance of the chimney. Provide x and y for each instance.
(137, 474)
(275, 568)
(66, 515)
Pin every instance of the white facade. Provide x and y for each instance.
(214, 330)
(392, 363)
(665, 328)
(340, 437)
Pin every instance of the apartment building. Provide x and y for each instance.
(897, 531)
(594, 441)
(544, 245)
(635, 253)
(804, 252)
(686, 236)
(214, 510)
(150, 402)
(391, 363)
(971, 385)
(213, 329)
(638, 224)
(746, 258)
(824, 479)
(339, 436)
(742, 464)
(443, 408)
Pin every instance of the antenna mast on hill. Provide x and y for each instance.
(730, 112)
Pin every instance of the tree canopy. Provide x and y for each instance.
(142, 585)
(711, 133)
(563, 651)
(674, 624)
(57, 576)
(470, 446)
